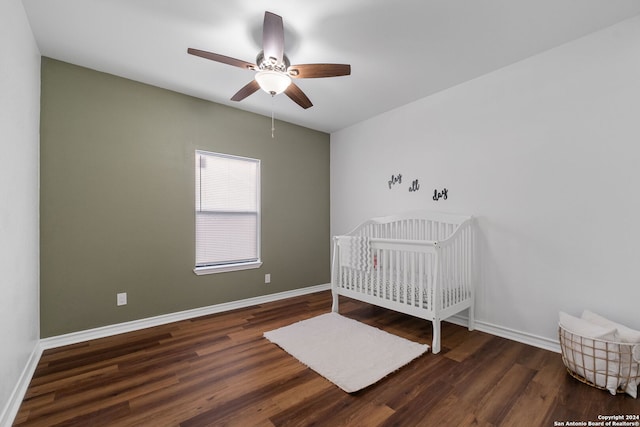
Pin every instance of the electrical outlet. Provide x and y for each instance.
(121, 298)
(267, 278)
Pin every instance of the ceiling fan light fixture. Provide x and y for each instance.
(273, 82)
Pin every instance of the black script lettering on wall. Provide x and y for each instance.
(395, 179)
(437, 195)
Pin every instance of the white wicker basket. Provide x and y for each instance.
(602, 364)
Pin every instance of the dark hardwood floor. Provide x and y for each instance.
(219, 370)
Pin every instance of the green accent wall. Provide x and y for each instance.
(117, 200)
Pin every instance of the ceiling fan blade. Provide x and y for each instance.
(297, 95)
(223, 59)
(247, 90)
(312, 71)
(273, 37)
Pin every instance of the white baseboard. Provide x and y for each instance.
(134, 325)
(511, 334)
(10, 410)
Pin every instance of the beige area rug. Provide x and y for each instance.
(348, 353)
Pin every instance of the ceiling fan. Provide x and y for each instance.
(273, 69)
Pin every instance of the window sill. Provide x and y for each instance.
(200, 271)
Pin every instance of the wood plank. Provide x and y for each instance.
(500, 398)
(468, 347)
(420, 404)
(450, 411)
(40, 388)
(533, 405)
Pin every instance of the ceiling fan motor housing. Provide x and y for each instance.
(272, 63)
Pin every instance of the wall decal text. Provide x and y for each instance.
(437, 195)
(395, 179)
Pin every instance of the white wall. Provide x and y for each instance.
(19, 163)
(545, 153)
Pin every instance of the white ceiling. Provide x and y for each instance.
(399, 50)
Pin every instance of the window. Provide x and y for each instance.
(227, 213)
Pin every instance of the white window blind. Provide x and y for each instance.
(227, 209)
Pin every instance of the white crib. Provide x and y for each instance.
(419, 263)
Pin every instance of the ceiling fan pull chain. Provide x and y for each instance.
(273, 127)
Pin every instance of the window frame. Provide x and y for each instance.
(231, 266)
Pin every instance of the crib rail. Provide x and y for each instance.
(421, 225)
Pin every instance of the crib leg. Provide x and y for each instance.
(335, 306)
(435, 344)
(472, 317)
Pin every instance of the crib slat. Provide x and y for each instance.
(378, 260)
(351, 278)
(387, 270)
(454, 273)
(393, 275)
(446, 278)
(467, 262)
(422, 279)
(398, 271)
(412, 292)
(405, 266)
(426, 272)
